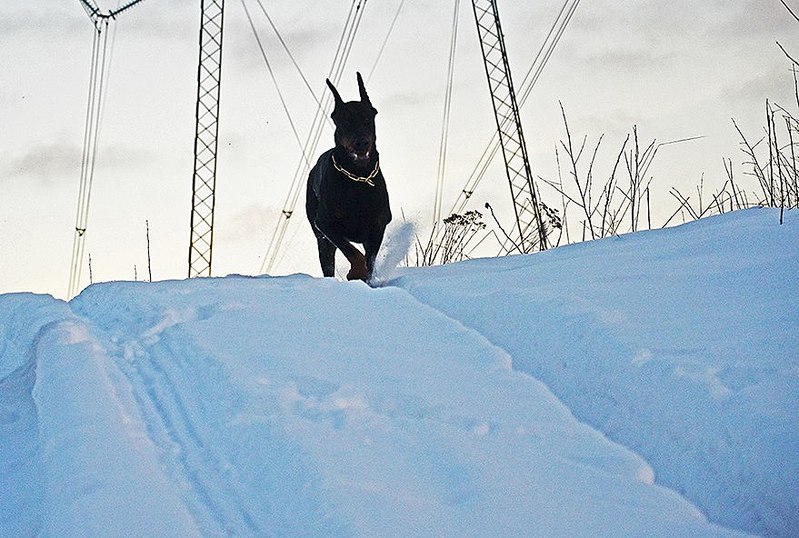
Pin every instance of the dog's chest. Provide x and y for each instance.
(357, 207)
(355, 201)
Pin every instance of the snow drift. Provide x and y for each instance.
(625, 387)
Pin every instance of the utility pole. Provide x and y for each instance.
(529, 231)
(209, 72)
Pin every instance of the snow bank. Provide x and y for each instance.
(101, 468)
(307, 407)
(75, 457)
(681, 344)
(22, 317)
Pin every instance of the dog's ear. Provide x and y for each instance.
(336, 95)
(362, 90)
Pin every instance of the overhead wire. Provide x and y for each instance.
(341, 56)
(288, 51)
(109, 63)
(274, 81)
(84, 164)
(529, 83)
(385, 42)
(99, 75)
(278, 257)
(289, 203)
(531, 77)
(444, 139)
(89, 153)
(313, 135)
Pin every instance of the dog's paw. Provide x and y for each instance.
(357, 273)
(358, 269)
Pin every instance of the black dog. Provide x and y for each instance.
(346, 199)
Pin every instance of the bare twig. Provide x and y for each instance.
(149, 262)
(790, 10)
(786, 53)
(507, 237)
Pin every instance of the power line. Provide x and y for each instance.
(274, 81)
(528, 83)
(340, 58)
(288, 51)
(89, 153)
(98, 81)
(444, 141)
(385, 41)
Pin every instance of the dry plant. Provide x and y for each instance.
(457, 239)
(771, 160)
(621, 200)
(617, 204)
(730, 197)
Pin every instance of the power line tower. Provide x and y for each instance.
(100, 64)
(209, 73)
(96, 15)
(529, 231)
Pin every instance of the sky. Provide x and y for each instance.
(675, 70)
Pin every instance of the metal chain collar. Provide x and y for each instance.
(360, 179)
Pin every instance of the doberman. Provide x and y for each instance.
(346, 199)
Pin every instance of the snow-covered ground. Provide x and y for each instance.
(645, 385)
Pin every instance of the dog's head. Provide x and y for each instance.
(355, 124)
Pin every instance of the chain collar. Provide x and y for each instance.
(369, 180)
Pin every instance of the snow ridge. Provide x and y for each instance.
(679, 344)
(296, 406)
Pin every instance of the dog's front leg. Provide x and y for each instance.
(372, 246)
(327, 255)
(357, 260)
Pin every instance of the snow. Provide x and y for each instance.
(681, 344)
(644, 385)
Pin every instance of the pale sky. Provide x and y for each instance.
(675, 69)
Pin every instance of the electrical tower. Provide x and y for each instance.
(209, 74)
(529, 232)
(100, 64)
(96, 15)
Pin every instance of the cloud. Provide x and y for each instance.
(305, 38)
(629, 59)
(251, 222)
(650, 22)
(32, 22)
(759, 85)
(46, 162)
(61, 161)
(406, 99)
(753, 18)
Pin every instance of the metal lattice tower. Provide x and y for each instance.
(209, 74)
(529, 232)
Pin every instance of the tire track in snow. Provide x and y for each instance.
(184, 441)
(220, 438)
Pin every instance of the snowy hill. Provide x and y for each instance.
(646, 385)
